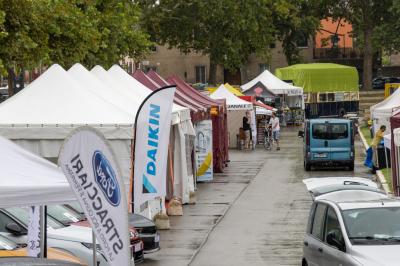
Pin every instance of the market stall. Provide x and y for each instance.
(329, 89)
(237, 109)
(184, 179)
(219, 121)
(382, 111)
(288, 99)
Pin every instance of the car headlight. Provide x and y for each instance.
(90, 246)
(133, 234)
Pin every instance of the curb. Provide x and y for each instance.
(379, 174)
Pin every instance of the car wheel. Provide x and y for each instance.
(307, 166)
(304, 262)
(351, 166)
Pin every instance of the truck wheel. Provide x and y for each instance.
(307, 166)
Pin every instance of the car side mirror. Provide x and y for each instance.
(332, 240)
(14, 229)
(301, 134)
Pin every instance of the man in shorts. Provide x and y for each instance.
(274, 122)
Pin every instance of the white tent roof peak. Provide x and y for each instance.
(140, 91)
(112, 94)
(233, 102)
(273, 83)
(55, 98)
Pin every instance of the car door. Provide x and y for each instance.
(319, 145)
(332, 256)
(340, 141)
(314, 238)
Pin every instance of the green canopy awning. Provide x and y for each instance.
(321, 77)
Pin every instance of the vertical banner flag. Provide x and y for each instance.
(152, 128)
(89, 165)
(34, 232)
(204, 152)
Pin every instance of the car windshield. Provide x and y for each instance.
(76, 206)
(7, 244)
(63, 214)
(22, 215)
(372, 226)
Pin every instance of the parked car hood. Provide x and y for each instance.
(139, 221)
(72, 233)
(312, 183)
(377, 255)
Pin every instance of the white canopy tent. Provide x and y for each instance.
(381, 112)
(237, 109)
(293, 95)
(182, 129)
(274, 84)
(27, 179)
(41, 116)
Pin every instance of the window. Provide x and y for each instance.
(332, 225)
(330, 131)
(201, 74)
(272, 45)
(4, 220)
(148, 68)
(317, 229)
(263, 66)
(302, 40)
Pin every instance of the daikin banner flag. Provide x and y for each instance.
(204, 152)
(90, 167)
(152, 129)
(34, 232)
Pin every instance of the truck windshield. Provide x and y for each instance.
(330, 131)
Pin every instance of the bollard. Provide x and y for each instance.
(175, 207)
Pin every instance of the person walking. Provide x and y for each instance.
(374, 145)
(274, 122)
(247, 130)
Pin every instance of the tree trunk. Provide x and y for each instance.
(212, 75)
(11, 81)
(368, 59)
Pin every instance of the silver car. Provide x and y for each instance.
(345, 229)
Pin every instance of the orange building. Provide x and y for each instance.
(326, 36)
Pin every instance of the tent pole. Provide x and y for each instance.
(43, 231)
(94, 249)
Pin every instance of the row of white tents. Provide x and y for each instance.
(41, 116)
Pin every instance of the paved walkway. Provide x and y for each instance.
(253, 214)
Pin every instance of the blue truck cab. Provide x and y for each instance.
(328, 142)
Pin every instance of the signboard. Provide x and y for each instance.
(89, 165)
(204, 151)
(152, 128)
(34, 232)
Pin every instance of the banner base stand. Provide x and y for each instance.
(192, 198)
(162, 221)
(175, 207)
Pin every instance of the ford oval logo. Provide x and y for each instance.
(105, 178)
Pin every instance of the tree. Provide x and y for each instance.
(370, 19)
(295, 20)
(72, 31)
(117, 21)
(25, 44)
(226, 30)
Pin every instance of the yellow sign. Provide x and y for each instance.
(214, 111)
(390, 88)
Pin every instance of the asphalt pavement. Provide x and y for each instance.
(253, 214)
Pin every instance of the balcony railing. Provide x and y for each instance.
(337, 53)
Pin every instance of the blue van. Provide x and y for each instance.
(328, 142)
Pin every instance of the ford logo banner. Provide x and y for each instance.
(106, 179)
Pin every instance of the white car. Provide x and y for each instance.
(353, 229)
(76, 240)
